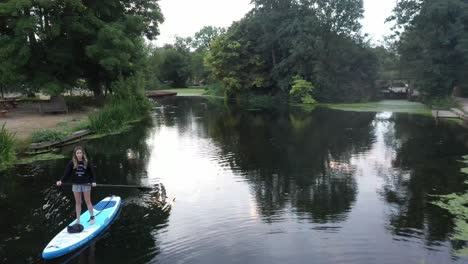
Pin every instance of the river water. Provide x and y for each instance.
(252, 186)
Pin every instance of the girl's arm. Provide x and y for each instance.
(68, 171)
(92, 178)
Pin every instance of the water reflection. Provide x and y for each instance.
(422, 166)
(290, 159)
(252, 186)
(328, 167)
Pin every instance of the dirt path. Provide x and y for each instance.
(26, 119)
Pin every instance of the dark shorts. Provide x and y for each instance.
(81, 188)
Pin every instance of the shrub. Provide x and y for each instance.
(81, 126)
(47, 135)
(441, 103)
(7, 148)
(302, 91)
(127, 104)
(215, 89)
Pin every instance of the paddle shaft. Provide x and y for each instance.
(113, 185)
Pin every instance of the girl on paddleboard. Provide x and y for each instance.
(82, 175)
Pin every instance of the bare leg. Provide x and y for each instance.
(87, 197)
(77, 205)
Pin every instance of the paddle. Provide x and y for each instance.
(143, 188)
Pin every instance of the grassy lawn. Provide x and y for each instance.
(395, 106)
(187, 91)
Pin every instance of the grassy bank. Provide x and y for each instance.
(118, 114)
(395, 106)
(7, 148)
(187, 91)
(127, 105)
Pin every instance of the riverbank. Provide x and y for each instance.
(23, 121)
(395, 106)
(187, 91)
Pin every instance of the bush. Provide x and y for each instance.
(117, 113)
(77, 103)
(441, 103)
(127, 104)
(81, 126)
(7, 148)
(47, 135)
(215, 89)
(302, 91)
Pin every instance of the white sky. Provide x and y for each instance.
(185, 17)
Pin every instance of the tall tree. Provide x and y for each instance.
(317, 40)
(203, 38)
(433, 43)
(62, 41)
(233, 62)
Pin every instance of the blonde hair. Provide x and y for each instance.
(75, 159)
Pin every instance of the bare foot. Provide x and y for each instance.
(91, 221)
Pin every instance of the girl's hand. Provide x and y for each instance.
(59, 183)
(93, 184)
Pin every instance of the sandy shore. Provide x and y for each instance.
(25, 119)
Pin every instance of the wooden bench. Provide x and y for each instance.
(56, 104)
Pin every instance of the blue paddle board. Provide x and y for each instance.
(64, 242)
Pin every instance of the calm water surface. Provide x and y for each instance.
(282, 186)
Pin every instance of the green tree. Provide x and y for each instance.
(203, 38)
(174, 66)
(60, 42)
(201, 43)
(433, 44)
(389, 66)
(302, 90)
(232, 60)
(279, 39)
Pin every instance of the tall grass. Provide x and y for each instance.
(7, 148)
(47, 135)
(128, 104)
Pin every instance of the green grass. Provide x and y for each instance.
(187, 91)
(48, 135)
(81, 126)
(63, 124)
(41, 157)
(395, 106)
(118, 113)
(7, 148)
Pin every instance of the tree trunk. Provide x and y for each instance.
(95, 87)
(1, 88)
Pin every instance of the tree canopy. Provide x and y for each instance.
(182, 63)
(279, 39)
(49, 45)
(433, 43)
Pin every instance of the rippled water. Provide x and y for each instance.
(280, 186)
